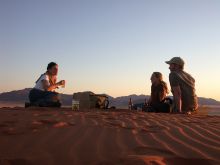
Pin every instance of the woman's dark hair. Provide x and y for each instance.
(163, 83)
(51, 65)
(158, 75)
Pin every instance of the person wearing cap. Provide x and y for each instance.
(182, 86)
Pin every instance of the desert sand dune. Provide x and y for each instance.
(62, 136)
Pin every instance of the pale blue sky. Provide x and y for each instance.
(109, 46)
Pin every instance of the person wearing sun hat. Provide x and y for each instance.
(182, 86)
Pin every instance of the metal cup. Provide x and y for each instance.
(63, 84)
(75, 105)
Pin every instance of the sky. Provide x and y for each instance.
(109, 46)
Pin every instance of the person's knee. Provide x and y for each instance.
(55, 97)
(33, 95)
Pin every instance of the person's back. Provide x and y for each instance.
(187, 86)
(182, 86)
(159, 91)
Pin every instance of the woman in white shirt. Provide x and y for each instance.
(43, 94)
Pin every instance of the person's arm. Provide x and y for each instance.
(48, 87)
(175, 87)
(177, 97)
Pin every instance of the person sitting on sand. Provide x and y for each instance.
(43, 94)
(182, 86)
(159, 92)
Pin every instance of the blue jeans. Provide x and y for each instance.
(44, 98)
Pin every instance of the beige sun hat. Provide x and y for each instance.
(176, 60)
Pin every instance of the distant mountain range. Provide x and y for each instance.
(18, 97)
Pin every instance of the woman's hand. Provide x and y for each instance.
(61, 83)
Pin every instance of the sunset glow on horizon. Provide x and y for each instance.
(110, 46)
